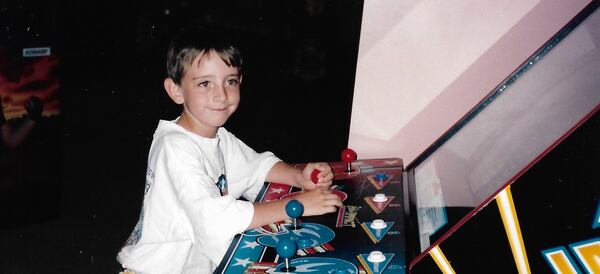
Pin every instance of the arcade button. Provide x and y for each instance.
(380, 198)
(380, 176)
(378, 224)
(376, 257)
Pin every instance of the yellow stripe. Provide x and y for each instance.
(513, 230)
(370, 203)
(364, 226)
(364, 264)
(441, 261)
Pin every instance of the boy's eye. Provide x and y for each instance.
(203, 84)
(232, 82)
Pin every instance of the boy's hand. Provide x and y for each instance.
(324, 177)
(318, 201)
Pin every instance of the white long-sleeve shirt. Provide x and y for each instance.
(186, 225)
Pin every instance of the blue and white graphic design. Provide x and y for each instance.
(247, 252)
(311, 234)
(317, 265)
(223, 185)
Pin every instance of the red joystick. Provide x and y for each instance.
(348, 156)
(314, 174)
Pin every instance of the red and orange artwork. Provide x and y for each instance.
(23, 77)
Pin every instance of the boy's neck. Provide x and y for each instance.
(185, 122)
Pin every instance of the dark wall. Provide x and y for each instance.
(300, 59)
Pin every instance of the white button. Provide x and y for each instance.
(378, 224)
(379, 198)
(376, 257)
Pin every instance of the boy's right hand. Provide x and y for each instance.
(318, 201)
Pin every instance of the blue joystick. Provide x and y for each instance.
(286, 248)
(294, 209)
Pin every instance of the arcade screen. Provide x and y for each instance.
(527, 115)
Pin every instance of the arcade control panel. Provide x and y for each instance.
(366, 235)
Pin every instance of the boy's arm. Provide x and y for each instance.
(316, 202)
(293, 176)
(285, 174)
(267, 213)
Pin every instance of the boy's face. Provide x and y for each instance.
(209, 92)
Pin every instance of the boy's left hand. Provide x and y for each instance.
(325, 176)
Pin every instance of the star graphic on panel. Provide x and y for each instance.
(277, 190)
(250, 244)
(242, 262)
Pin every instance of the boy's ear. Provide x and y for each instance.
(174, 91)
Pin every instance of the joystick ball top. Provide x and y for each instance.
(294, 208)
(348, 155)
(286, 248)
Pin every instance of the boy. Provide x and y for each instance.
(187, 221)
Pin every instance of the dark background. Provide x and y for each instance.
(300, 59)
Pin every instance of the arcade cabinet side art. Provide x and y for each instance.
(29, 143)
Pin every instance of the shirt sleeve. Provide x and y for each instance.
(246, 169)
(214, 219)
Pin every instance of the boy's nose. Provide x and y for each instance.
(220, 93)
